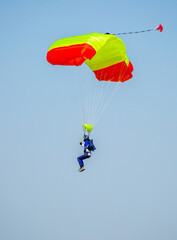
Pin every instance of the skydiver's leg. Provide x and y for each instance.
(86, 156)
(81, 158)
(80, 161)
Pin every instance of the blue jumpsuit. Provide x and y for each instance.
(87, 153)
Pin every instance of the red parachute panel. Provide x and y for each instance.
(119, 72)
(71, 55)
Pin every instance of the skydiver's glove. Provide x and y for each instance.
(80, 142)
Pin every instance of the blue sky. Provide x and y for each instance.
(128, 190)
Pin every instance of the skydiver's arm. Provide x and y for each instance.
(82, 144)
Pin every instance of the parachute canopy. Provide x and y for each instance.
(105, 54)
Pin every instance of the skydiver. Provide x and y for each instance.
(88, 147)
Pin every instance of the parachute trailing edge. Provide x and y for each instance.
(105, 54)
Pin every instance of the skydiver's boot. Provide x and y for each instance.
(81, 169)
